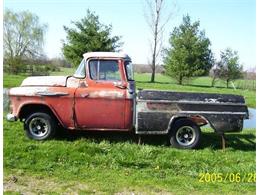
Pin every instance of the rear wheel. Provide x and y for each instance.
(185, 134)
(40, 126)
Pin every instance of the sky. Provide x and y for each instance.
(227, 23)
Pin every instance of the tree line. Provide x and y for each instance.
(189, 54)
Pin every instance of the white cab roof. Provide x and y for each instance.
(105, 55)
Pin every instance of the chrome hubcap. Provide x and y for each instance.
(39, 127)
(185, 136)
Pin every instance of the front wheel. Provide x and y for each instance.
(185, 134)
(40, 126)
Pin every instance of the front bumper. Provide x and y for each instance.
(10, 117)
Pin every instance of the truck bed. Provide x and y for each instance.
(156, 109)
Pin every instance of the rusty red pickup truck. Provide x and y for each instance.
(101, 96)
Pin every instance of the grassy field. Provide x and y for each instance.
(200, 84)
(112, 163)
(13, 80)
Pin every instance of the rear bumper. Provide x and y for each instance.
(10, 117)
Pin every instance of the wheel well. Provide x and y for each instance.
(198, 120)
(28, 109)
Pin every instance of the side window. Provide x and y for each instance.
(106, 70)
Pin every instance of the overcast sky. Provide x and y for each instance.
(227, 23)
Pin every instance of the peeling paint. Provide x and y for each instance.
(27, 91)
(106, 94)
(72, 82)
(56, 81)
(211, 100)
(162, 106)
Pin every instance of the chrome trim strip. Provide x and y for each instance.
(152, 132)
(52, 94)
(196, 112)
(192, 102)
(211, 112)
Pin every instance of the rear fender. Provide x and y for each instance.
(197, 119)
(220, 123)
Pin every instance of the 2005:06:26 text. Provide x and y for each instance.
(227, 177)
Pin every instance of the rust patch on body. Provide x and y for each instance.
(198, 120)
(162, 106)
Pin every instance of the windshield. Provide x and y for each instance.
(129, 70)
(81, 71)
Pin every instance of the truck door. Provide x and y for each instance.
(101, 103)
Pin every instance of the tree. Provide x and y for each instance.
(230, 68)
(189, 53)
(214, 73)
(89, 35)
(23, 38)
(157, 23)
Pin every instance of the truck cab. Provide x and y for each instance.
(105, 96)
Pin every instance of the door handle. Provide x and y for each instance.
(119, 85)
(84, 95)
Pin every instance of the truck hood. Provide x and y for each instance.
(52, 81)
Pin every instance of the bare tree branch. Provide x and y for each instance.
(156, 23)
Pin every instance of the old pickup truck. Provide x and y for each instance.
(101, 95)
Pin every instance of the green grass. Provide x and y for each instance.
(108, 163)
(11, 80)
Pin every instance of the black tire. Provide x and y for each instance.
(40, 126)
(185, 134)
